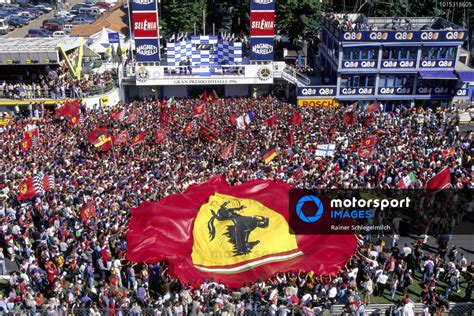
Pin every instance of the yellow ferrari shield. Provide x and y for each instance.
(23, 189)
(233, 235)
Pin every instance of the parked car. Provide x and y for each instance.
(103, 5)
(38, 33)
(45, 7)
(52, 27)
(3, 26)
(67, 28)
(16, 21)
(75, 9)
(79, 20)
(26, 14)
(54, 20)
(93, 11)
(60, 34)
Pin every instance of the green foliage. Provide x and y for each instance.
(298, 18)
(181, 15)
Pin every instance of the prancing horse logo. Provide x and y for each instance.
(238, 233)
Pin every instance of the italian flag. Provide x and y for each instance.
(170, 101)
(407, 181)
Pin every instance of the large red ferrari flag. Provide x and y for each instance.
(230, 233)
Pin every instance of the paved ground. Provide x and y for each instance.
(36, 23)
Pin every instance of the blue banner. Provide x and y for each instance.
(146, 49)
(262, 5)
(359, 64)
(404, 36)
(317, 91)
(143, 5)
(114, 38)
(356, 91)
(261, 48)
(395, 90)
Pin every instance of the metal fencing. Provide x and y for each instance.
(458, 309)
(31, 93)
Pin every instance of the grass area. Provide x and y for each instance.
(415, 289)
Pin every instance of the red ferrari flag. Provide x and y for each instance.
(87, 211)
(212, 96)
(35, 185)
(205, 133)
(133, 117)
(271, 121)
(75, 120)
(227, 151)
(188, 128)
(369, 141)
(296, 119)
(215, 230)
(448, 152)
(31, 133)
(120, 138)
(139, 138)
(160, 136)
(290, 138)
(69, 108)
(440, 181)
(118, 116)
(232, 119)
(101, 138)
(26, 190)
(365, 153)
(27, 143)
(369, 119)
(348, 118)
(379, 132)
(199, 110)
(372, 107)
(204, 96)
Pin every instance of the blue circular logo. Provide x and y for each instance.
(317, 202)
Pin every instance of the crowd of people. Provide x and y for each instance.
(66, 264)
(57, 83)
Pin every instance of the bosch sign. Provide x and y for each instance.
(145, 24)
(262, 23)
(317, 103)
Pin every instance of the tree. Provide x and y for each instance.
(180, 16)
(298, 18)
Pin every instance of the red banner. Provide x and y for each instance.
(262, 23)
(192, 231)
(145, 24)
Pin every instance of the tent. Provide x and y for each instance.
(99, 42)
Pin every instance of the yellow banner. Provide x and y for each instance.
(233, 235)
(331, 103)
